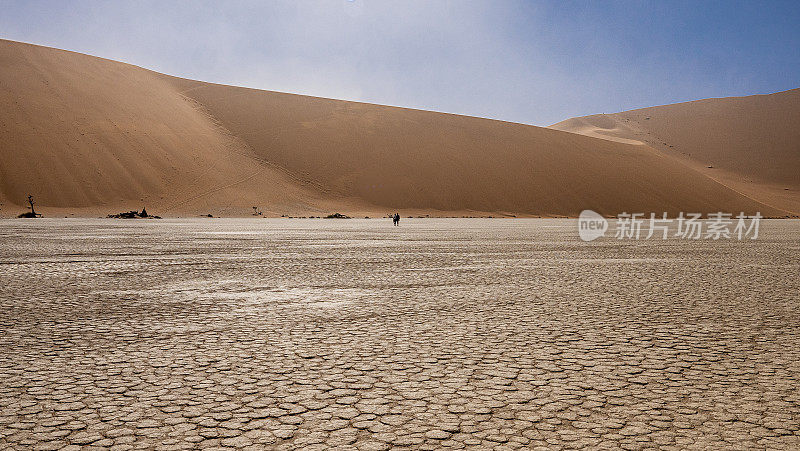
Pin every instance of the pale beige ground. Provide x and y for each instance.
(752, 144)
(285, 334)
(88, 136)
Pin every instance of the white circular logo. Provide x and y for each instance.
(591, 225)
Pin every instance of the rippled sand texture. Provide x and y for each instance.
(440, 333)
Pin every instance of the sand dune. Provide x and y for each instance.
(751, 143)
(95, 136)
(87, 135)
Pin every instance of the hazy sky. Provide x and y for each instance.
(536, 62)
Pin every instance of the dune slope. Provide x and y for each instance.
(752, 144)
(89, 135)
(93, 136)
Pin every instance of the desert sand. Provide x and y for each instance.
(461, 333)
(751, 144)
(89, 136)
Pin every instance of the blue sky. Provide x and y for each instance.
(535, 62)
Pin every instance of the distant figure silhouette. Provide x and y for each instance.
(396, 219)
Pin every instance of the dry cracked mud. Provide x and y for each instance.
(353, 334)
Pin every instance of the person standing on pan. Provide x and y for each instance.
(397, 219)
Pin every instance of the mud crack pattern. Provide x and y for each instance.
(284, 334)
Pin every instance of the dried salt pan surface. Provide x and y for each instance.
(459, 333)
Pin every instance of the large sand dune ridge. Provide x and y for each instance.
(751, 144)
(88, 135)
